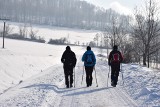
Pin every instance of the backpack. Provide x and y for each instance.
(89, 59)
(116, 57)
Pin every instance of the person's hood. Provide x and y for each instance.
(89, 52)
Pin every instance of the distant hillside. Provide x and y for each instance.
(63, 13)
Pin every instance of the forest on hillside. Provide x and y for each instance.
(62, 13)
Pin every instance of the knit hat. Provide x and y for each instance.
(115, 47)
(88, 48)
(68, 48)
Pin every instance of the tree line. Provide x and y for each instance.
(139, 40)
(63, 13)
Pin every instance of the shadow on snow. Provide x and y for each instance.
(51, 87)
(88, 91)
(64, 90)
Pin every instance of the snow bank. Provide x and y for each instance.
(142, 83)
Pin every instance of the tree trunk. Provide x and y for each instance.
(144, 59)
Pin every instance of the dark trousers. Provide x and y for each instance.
(68, 72)
(89, 70)
(115, 68)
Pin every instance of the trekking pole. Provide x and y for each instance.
(108, 76)
(95, 77)
(74, 77)
(122, 75)
(82, 75)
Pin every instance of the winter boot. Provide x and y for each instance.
(112, 84)
(71, 86)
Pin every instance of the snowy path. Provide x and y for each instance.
(101, 96)
(47, 90)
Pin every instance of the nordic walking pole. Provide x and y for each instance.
(122, 75)
(74, 77)
(95, 77)
(82, 75)
(108, 76)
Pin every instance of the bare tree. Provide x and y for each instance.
(147, 30)
(96, 38)
(33, 33)
(8, 29)
(23, 30)
(118, 30)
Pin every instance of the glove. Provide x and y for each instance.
(93, 67)
(62, 60)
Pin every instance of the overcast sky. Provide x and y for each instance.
(121, 6)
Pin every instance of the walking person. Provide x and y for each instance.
(69, 62)
(115, 58)
(89, 62)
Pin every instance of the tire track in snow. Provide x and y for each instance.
(103, 75)
(125, 97)
(69, 101)
(113, 92)
(117, 93)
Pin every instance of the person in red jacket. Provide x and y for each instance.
(115, 58)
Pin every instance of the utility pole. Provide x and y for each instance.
(4, 28)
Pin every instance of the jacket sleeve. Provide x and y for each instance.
(63, 58)
(109, 58)
(83, 57)
(75, 60)
(94, 58)
(121, 57)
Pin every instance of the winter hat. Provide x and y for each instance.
(115, 47)
(88, 48)
(68, 48)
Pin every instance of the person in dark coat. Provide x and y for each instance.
(115, 58)
(69, 62)
(89, 62)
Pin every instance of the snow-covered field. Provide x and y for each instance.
(48, 32)
(31, 75)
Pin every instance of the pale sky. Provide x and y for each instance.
(121, 6)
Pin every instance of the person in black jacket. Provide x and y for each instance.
(115, 58)
(69, 61)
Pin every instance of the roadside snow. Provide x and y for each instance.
(142, 83)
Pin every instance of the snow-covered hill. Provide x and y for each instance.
(21, 59)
